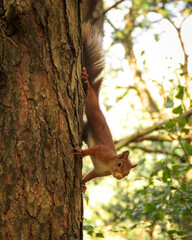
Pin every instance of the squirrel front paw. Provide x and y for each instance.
(79, 151)
(84, 188)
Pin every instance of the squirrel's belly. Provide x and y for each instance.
(99, 164)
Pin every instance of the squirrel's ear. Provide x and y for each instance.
(133, 166)
(125, 154)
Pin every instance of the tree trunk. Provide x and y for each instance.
(41, 108)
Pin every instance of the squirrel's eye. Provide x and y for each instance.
(119, 164)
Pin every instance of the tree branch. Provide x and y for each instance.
(113, 6)
(186, 56)
(162, 138)
(142, 132)
(153, 150)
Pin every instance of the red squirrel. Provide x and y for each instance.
(97, 134)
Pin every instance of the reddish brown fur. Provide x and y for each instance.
(105, 159)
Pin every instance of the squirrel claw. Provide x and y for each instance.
(84, 73)
(79, 151)
(85, 76)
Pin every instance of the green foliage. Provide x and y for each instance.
(99, 235)
(168, 103)
(180, 93)
(165, 200)
(91, 231)
(86, 197)
(178, 110)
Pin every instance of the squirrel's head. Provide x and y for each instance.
(122, 165)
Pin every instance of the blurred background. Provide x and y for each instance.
(146, 98)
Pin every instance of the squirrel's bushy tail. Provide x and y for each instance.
(93, 56)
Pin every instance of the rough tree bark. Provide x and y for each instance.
(41, 108)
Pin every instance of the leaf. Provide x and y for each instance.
(171, 232)
(166, 174)
(90, 233)
(168, 103)
(86, 197)
(170, 124)
(142, 53)
(182, 121)
(159, 216)
(184, 186)
(175, 167)
(129, 214)
(100, 235)
(120, 35)
(188, 147)
(88, 227)
(157, 37)
(184, 130)
(114, 229)
(133, 226)
(150, 207)
(159, 162)
(180, 93)
(178, 110)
